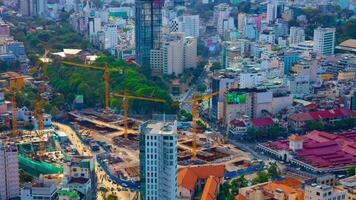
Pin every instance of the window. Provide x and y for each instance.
(318, 193)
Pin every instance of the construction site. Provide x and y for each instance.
(119, 148)
(113, 138)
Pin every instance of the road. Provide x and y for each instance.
(103, 180)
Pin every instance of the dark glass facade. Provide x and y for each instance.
(148, 29)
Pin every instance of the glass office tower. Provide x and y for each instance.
(148, 29)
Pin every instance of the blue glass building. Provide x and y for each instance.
(148, 29)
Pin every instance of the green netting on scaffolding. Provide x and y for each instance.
(38, 167)
(26, 148)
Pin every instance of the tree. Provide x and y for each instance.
(201, 124)
(25, 177)
(238, 183)
(273, 171)
(253, 133)
(262, 177)
(201, 87)
(351, 171)
(314, 125)
(216, 66)
(112, 197)
(225, 192)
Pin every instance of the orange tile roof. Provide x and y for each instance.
(290, 182)
(295, 137)
(272, 186)
(187, 177)
(210, 188)
(240, 197)
(351, 43)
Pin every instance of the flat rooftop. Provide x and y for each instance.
(156, 127)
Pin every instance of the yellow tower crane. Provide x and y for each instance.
(13, 88)
(42, 61)
(106, 77)
(194, 103)
(125, 105)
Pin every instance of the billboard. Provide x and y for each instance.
(236, 98)
(264, 97)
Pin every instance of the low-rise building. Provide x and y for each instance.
(298, 121)
(323, 192)
(205, 179)
(79, 175)
(317, 151)
(288, 189)
(349, 185)
(39, 190)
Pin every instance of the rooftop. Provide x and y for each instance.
(261, 122)
(323, 149)
(188, 176)
(349, 182)
(155, 127)
(211, 188)
(324, 114)
(351, 43)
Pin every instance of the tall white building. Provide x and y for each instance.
(110, 37)
(271, 13)
(176, 54)
(221, 17)
(9, 173)
(169, 59)
(190, 52)
(158, 160)
(324, 41)
(272, 10)
(296, 35)
(241, 22)
(191, 25)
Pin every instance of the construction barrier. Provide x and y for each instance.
(248, 170)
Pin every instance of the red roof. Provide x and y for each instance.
(237, 123)
(322, 149)
(261, 122)
(324, 114)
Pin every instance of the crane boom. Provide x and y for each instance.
(140, 98)
(125, 105)
(194, 103)
(90, 66)
(106, 78)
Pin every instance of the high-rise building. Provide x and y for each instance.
(241, 22)
(191, 25)
(9, 173)
(324, 41)
(271, 12)
(190, 52)
(24, 7)
(111, 37)
(169, 59)
(296, 35)
(176, 54)
(158, 160)
(148, 26)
